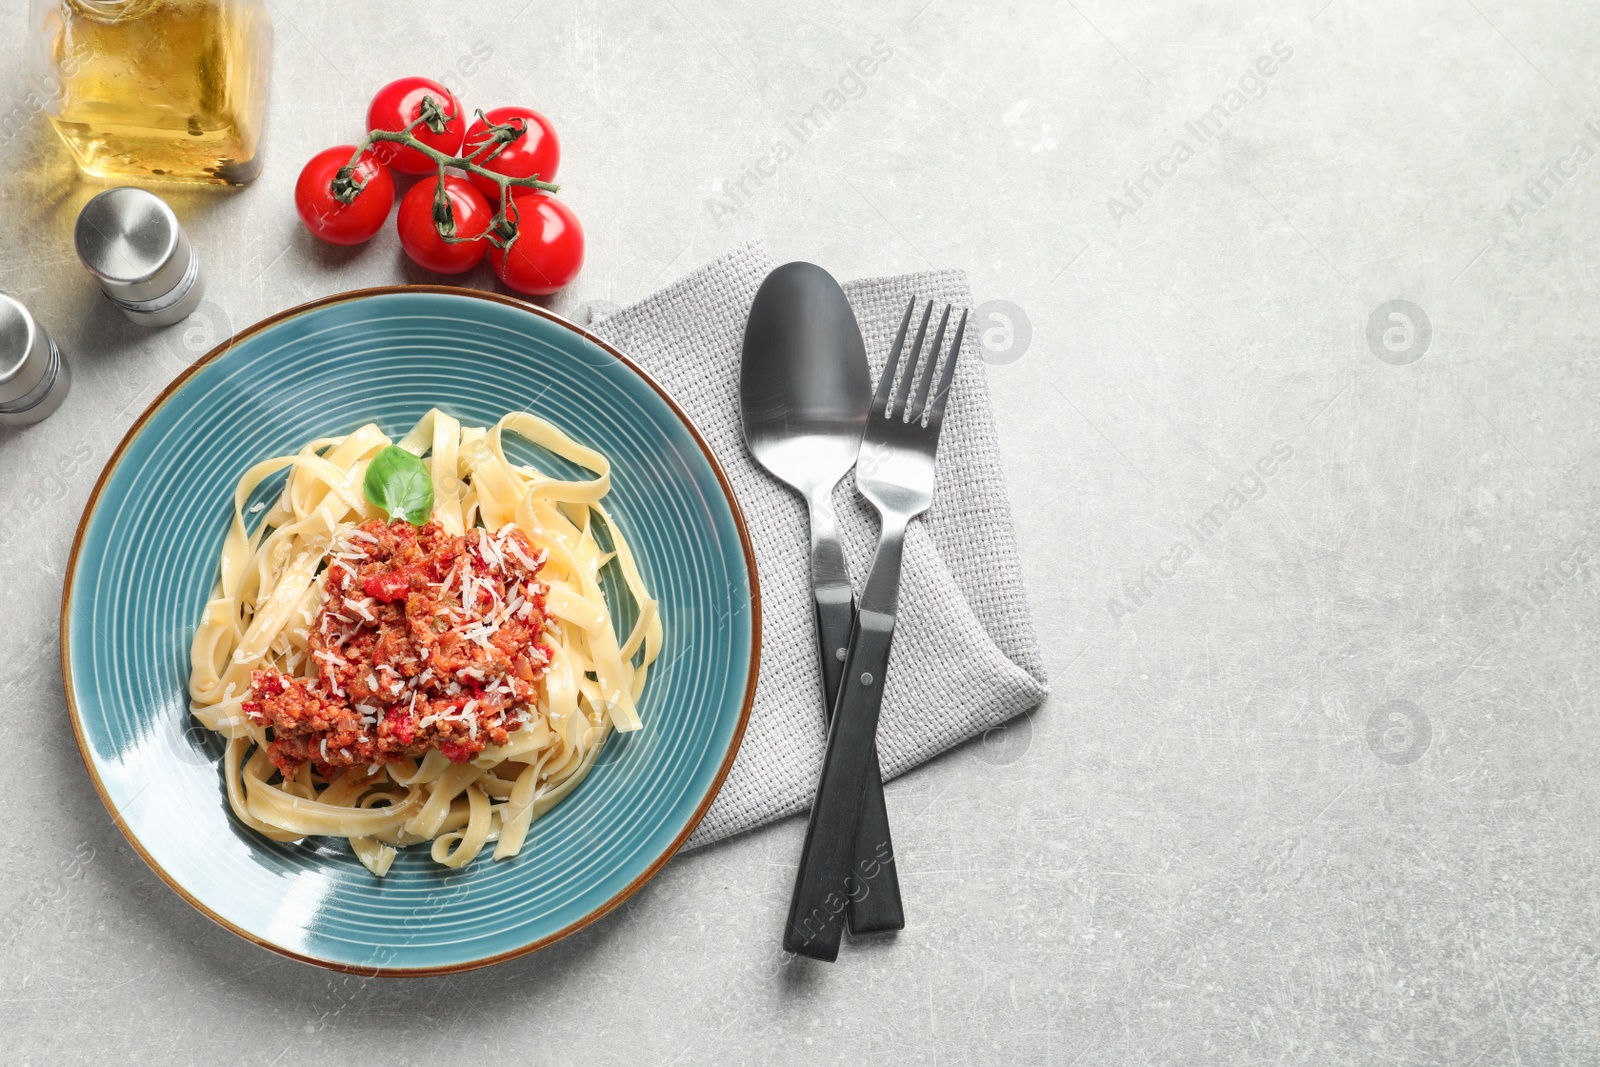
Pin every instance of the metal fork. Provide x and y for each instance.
(895, 472)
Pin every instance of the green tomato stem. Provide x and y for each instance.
(502, 229)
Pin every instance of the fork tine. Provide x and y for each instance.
(880, 398)
(909, 371)
(919, 402)
(936, 417)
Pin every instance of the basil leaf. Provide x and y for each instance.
(399, 483)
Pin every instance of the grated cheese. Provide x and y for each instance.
(523, 558)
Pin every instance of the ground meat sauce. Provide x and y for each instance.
(425, 640)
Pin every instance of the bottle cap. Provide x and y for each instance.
(33, 376)
(131, 241)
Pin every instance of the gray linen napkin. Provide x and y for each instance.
(965, 655)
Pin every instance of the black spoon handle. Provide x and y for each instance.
(875, 898)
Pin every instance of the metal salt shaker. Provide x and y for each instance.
(130, 240)
(33, 376)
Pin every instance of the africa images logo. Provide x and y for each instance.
(1538, 191)
(1204, 128)
(1399, 332)
(732, 195)
(1142, 588)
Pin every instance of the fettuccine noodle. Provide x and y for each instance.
(273, 585)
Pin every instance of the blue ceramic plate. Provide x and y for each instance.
(145, 559)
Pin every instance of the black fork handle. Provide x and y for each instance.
(825, 882)
(874, 896)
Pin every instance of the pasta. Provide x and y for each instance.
(323, 619)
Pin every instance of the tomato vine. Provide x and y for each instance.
(502, 230)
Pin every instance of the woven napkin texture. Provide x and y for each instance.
(965, 655)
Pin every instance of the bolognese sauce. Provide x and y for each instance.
(425, 640)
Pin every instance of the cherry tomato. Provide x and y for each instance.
(548, 251)
(400, 103)
(322, 212)
(420, 237)
(536, 153)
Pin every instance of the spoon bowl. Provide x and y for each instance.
(803, 382)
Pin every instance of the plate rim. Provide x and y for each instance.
(74, 714)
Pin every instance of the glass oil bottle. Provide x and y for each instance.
(155, 90)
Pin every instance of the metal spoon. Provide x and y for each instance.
(804, 392)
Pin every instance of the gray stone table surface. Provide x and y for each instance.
(1313, 570)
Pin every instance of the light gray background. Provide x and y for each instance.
(1196, 849)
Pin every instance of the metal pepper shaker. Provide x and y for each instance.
(33, 376)
(130, 240)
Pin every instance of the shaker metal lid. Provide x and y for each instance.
(130, 240)
(24, 353)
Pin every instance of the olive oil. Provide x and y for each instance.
(164, 90)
